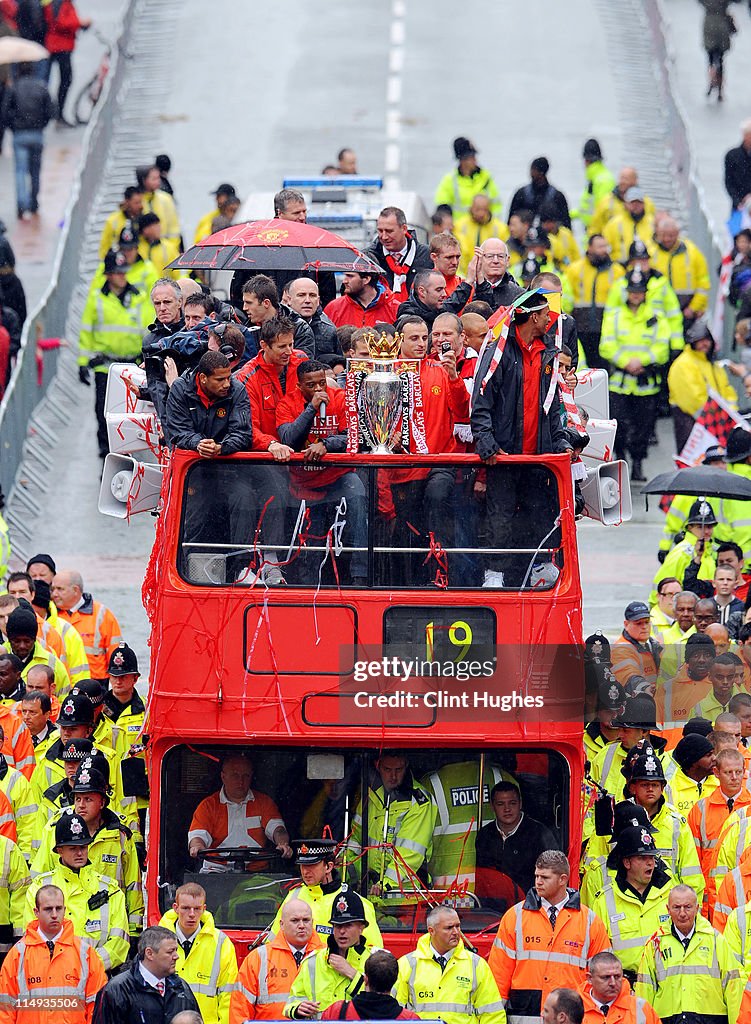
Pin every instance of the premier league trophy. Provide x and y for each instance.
(383, 399)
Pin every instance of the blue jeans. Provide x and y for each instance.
(27, 153)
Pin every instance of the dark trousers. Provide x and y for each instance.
(65, 68)
(423, 507)
(636, 415)
(100, 390)
(522, 504)
(591, 344)
(683, 424)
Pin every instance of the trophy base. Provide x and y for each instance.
(382, 449)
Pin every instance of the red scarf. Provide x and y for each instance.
(401, 270)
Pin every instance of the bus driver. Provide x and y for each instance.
(237, 816)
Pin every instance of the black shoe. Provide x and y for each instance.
(637, 473)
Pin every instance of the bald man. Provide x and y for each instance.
(267, 973)
(97, 625)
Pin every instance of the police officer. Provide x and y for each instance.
(105, 732)
(335, 971)
(321, 883)
(433, 977)
(595, 871)
(59, 794)
(94, 903)
(635, 342)
(113, 322)
(687, 971)
(633, 723)
(586, 286)
(112, 851)
(672, 836)
(611, 698)
(696, 546)
(206, 958)
(660, 295)
(401, 815)
(124, 707)
(633, 904)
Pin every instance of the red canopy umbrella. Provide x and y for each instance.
(275, 245)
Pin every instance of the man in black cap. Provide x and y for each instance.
(735, 513)
(635, 653)
(124, 707)
(42, 567)
(595, 871)
(105, 733)
(223, 193)
(94, 903)
(517, 373)
(600, 182)
(335, 971)
(690, 772)
(634, 724)
(645, 785)
(113, 321)
(22, 630)
(696, 546)
(632, 906)
(610, 700)
(538, 191)
(635, 341)
(458, 188)
(112, 850)
(60, 794)
(321, 883)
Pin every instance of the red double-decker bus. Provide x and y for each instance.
(381, 636)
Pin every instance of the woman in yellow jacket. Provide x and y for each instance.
(690, 379)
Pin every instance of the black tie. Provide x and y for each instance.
(731, 801)
(441, 961)
(51, 947)
(552, 914)
(187, 945)
(298, 955)
(685, 943)
(605, 1007)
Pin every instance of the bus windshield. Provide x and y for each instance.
(345, 524)
(409, 826)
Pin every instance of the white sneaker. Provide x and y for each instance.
(543, 575)
(269, 575)
(493, 579)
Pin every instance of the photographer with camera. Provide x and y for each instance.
(112, 325)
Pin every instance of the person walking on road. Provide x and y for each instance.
(63, 24)
(718, 28)
(27, 108)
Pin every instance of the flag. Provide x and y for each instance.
(712, 426)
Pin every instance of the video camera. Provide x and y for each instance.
(186, 347)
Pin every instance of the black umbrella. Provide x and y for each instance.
(701, 482)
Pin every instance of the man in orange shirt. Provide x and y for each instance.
(51, 975)
(237, 816)
(266, 975)
(708, 815)
(635, 653)
(98, 627)
(516, 411)
(608, 998)
(311, 419)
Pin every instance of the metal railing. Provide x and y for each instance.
(34, 370)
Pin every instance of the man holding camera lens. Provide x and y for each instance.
(113, 322)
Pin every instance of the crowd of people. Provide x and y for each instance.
(652, 924)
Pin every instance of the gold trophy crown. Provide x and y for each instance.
(383, 347)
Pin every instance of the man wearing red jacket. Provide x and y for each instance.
(423, 498)
(267, 378)
(63, 23)
(366, 301)
(311, 418)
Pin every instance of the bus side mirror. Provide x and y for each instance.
(607, 493)
(128, 487)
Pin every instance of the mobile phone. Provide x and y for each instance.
(445, 347)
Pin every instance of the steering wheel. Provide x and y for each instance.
(239, 857)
